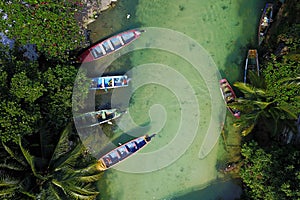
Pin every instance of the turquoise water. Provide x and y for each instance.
(174, 91)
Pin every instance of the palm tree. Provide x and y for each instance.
(68, 173)
(291, 81)
(257, 108)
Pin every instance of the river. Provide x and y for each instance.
(175, 66)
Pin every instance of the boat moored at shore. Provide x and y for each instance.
(122, 152)
(251, 63)
(229, 97)
(95, 118)
(109, 46)
(109, 82)
(265, 22)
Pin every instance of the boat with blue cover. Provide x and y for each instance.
(109, 82)
(123, 152)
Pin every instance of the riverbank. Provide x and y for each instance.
(91, 9)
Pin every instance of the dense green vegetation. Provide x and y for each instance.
(37, 161)
(271, 173)
(50, 25)
(270, 167)
(35, 92)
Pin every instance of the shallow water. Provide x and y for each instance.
(174, 90)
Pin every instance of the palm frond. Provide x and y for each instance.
(8, 181)
(69, 159)
(14, 156)
(256, 81)
(5, 192)
(245, 88)
(12, 165)
(92, 168)
(74, 191)
(28, 194)
(30, 160)
(88, 179)
(262, 105)
(81, 193)
(288, 110)
(291, 81)
(243, 105)
(249, 90)
(52, 194)
(62, 146)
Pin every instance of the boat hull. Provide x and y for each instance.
(109, 82)
(229, 96)
(95, 118)
(109, 46)
(265, 22)
(123, 152)
(251, 63)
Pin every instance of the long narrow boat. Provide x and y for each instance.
(109, 82)
(95, 118)
(109, 46)
(265, 21)
(251, 63)
(229, 97)
(122, 152)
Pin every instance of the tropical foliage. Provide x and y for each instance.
(272, 103)
(276, 75)
(259, 107)
(270, 174)
(49, 25)
(64, 171)
(37, 91)
(30, 94)
(35, 104)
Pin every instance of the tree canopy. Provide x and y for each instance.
(49, 25)
(35, 92)
(270, 174)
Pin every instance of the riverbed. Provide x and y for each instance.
(175, 66)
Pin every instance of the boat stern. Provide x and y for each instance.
(101, 165)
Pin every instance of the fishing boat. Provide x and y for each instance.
(265, 21)
(229, 97)
(109, 46)
(251, 63)
(109, 82)
(95, 118)
(122, 152)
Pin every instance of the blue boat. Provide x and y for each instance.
(109, 82)
(122, 152)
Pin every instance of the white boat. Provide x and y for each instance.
(95, 118)
(109, 46)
